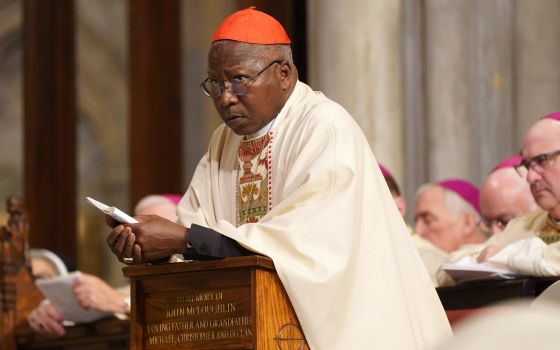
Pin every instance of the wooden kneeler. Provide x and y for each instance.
(232, 303)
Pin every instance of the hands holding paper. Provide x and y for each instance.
(91, 292)
(151, 239)
(94, 294)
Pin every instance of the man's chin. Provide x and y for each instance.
(238, 130)
(545, 202)
(241, 131)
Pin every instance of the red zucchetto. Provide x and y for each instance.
(253, 27)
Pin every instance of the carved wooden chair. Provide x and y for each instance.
(18, 293)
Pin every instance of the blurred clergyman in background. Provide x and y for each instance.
(505, 195)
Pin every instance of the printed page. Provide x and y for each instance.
(59, 292)
(461, 272)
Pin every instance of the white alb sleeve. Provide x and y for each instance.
(526, 257)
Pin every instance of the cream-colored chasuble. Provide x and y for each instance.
(253, 180)
(337, 240)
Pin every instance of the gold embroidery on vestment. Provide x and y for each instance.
(550, 232)
(252, 195)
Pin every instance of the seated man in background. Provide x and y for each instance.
(432, 256)
(91, 291)
(531, 244)
(446, 217)
(164, 205)
(505, 195)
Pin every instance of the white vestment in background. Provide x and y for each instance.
(337, 240)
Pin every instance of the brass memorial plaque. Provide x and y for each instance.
(201, 314)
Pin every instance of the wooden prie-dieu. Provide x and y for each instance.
(232, 303)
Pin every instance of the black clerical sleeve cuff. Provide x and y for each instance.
(205, 242)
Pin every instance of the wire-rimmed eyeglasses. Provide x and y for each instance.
(537, 163)
(237, 86)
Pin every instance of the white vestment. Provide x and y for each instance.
(524, 245)
(337, 240)
(431, 255)
(529, 245)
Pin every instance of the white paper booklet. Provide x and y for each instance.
(58, 290)
(473, 271)
(113, 212)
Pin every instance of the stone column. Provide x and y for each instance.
(469, 87)
(537, 53)
(355, 59)
(447, 90)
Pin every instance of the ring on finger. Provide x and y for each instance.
(128, 260)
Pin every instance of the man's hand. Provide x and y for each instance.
(158, 237)
(46, 319)
(121, 241)
(152, 238)
(487, 253)
(93, 293)
(111, 222)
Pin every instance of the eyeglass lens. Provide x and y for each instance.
(237, 87)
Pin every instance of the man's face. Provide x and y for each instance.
(542, 138)
(264, 99)
(435, 222)
(504, 196)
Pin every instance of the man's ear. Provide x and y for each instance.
(470, 222)
(286, 75)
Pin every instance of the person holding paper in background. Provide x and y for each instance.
(91, 291)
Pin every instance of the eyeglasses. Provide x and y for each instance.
(537, 163)
(237, 86)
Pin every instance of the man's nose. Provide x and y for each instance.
(227, 97)
(420, 228)
(533, 175)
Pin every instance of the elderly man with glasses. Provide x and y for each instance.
(531, 244)
(289, 175)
